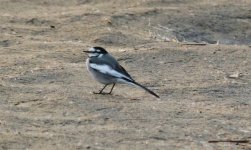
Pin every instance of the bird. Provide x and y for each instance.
(105, 69)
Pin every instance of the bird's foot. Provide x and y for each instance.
(103, 93)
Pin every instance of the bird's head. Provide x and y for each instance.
(96, 52)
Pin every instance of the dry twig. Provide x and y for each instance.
(231, 141)
(199, 44)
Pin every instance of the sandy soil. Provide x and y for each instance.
(45, 90)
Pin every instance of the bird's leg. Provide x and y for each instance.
(112, 88)
(101, 91)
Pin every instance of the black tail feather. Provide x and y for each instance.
(139, 85)
(146, 89)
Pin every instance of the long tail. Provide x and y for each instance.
(141, 86)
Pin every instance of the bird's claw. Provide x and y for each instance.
(103, 93)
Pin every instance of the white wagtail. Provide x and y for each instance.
(105, 69)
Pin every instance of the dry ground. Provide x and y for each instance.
(45, 90)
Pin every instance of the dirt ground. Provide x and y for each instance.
(45, 89)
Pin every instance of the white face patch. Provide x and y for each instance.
(100, 55)
(92, 49)
(93, 54)
(108, 70)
